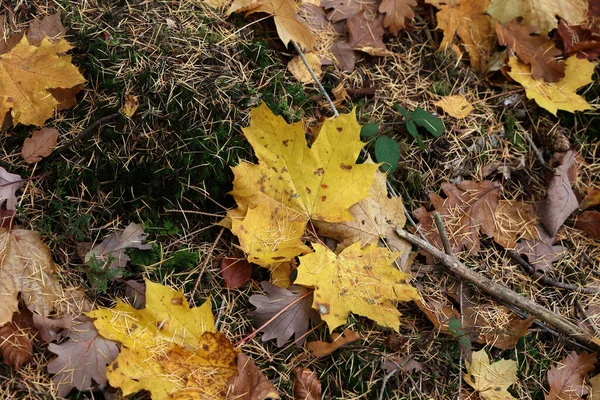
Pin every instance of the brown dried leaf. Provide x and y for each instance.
(536, 50)
(396, 13)
(561, 200)
(16, 347)
(589, 222)
(136, 293)
(344, 54)
(293, 321)
(580, 40)
(541, 252)
(41, 143)
(515, 220)
(50, 329)
(50, 26)
(344, 9)
(250, 383)
(82, 358)
(9, 184)
(306, 385)
(566, 378)
(366, 34)
(592, 198)
(320, 349)
(235, 272)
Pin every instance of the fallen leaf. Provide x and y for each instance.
(566, 378)
(306, 385)
(250, 383)
(589, 222)
(595, 388)
(111, 251)
(358, 280)
(41, 143)
(560, 95)
(81, 358)
(396, 13)
(16, 347)
(28, 72)
(288, 310)
(130, 105)
(542, 252)
(321, 349)
(580, 40)
(405, 364)
(514, 220)
(592, 198)
(167, 348)
(26, 268)
(366, 34)
(344, 54)
(344, 9)
(491, 381)
(540, 13)
(468, 209)
(560, 200)
(235, 272)
(49, 329)
(299, 71)
(9, 184)
(50, 26)
(536, 50)
(135, 292)
(284, 14)
(455, 106)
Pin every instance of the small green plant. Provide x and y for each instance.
(100, 272)
(387, 150)
(422, 118)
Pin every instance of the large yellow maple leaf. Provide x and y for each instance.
(361, 281)
(491, 380)
(26, 74)
(559, 95)
(168, 348)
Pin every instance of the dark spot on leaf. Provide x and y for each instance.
(278, 258)
(319, 171)
(205, 347)
(339, 129)
(308, 191)
(473, 378)
(363, 222)
(177, 301)
(346, 167)
(285, 142)
(324, 186)
(323, 198)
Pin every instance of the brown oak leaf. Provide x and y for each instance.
(16, 347)
(542, 252)
(40, 144)
(306, 385)
(366, 34)
(293, 321)
(396, 13)
(49, 329)
(536, 50)
(250, 383)
(566, 378)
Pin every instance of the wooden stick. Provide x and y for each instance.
(503, 293)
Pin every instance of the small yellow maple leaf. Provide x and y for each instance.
(491, 380)
(455, 106)
(361, 281)
(559, 95)
(167, 348)
(27, 73)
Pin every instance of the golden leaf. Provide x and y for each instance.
(455, 106)
(361, 281)
(491, 380)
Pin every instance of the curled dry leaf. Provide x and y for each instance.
(566, 378)
(580, 40)
(250, 383)
(41, 143)
(16, 347)
(306, 385)
(455, 106)
(9, 184)
(320, 349)
(235, 272)
(130, 105)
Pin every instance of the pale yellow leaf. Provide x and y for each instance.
(455, 106)
(298, 69)
(491, 380)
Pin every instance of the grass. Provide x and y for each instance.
(168, 168)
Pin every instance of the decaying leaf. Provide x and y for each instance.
(580, 40)
(235, 272)
(293, 321)
(542, 252)
(405, 364)
(536, 50)
(321, 349)
(566, 378)
(589, 222)
(561, 200)
(366, 34)
(455, 106)
(306, 385)
(16, 347)
(135, 292)
(250, 383)
(130, 105)
(358, 280)
(49, 329)
(468, 209)
(298, 69)
(592, 198)
(40, 144)
(26, 268)
(111, 251)
(81, 358)
(515, 220)
(560, 95)
(490, 380)
(167, 348)
(9, 184)
(396, 13)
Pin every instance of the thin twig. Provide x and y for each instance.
(317, 81)
(454, 265)
(533, 147)
(87, 132)
(439, 224)
(205, 263)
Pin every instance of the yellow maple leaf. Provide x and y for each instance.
(27, 72)
(559, 95)
(167, 348)
(491, 380)
(361, 281)
(455, 106)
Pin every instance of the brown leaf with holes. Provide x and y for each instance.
(515, 220)
(396, 13)
(235, 272)
(536, 50)
(566, 377)
(250, 383)
(320, 349)
(542, 252)
(41, 143)
(467, 210)
(580, 40)
(16, 347)
(366, 34)
(306, 385)
(589, 222)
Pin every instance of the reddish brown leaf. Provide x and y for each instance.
(536, 50)
(293, 321)
(589, 222)
(320, 349)
(541, 252)
(306, 385)
(344, 9)
(50, 26)
(235, 272)
(40, 144)
(592, 198)
(250, 383)
(566, 378)
(396, 13)
(345, 55)
(580, 40)
(367, 34)
(16, 348)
